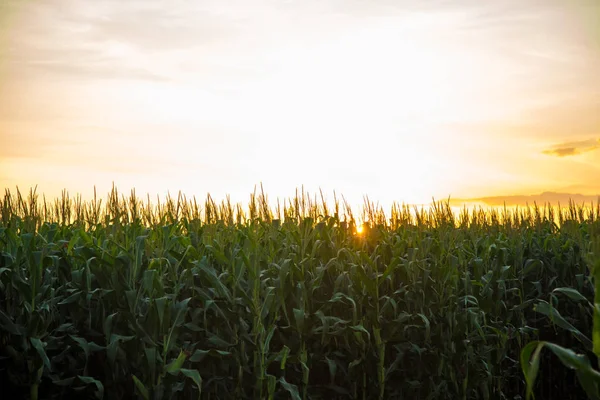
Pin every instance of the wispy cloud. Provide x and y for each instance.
(573, 148)
(88, 41)
(165, 81)
(91, 70)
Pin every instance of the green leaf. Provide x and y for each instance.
(63, 382)
(588, 377)
(67, 327)
(193, 327)
(596, 326)
(368, 283)
(210, 275)
(360, 328)
(573, 294)
(427, 326)
(151, 358)
(545, 308)
(113, 346)
(531, 366)
(569, 358)
(82, 343)
(174, 367)
(72, 298)
(268, 339)
(141, 388)
(218, 342)
(148, 280)
(39, 346)
(85, 237)
(131, 296)
(299, 316)
(292, 389)
(100, 388)
(283, 355)
(161, 304)
(589, 383)
(140, 246)
(271, 384)
(108, 325)
(8, 325)
(531, 265)
(199, 355)
(332, 365)
(354, 363)
(195, 376)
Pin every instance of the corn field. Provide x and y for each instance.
(123, 298)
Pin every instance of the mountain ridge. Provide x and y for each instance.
(551, 197)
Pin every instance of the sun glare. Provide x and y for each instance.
(359, 229)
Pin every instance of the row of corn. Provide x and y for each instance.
(128, 299)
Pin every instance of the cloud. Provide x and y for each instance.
(91, 70)
(152, 28)
(86, 42)
(573, 148)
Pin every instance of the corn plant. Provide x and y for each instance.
(122, 298)
(587, 373)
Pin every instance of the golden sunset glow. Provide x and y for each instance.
(402, 101)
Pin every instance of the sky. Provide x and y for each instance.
(395, 99)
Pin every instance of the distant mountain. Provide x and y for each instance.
(591, 190)
(540, 199)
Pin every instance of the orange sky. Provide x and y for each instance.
(400, 100)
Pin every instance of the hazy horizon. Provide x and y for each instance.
(397, 100)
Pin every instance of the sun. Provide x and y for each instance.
(359, 229)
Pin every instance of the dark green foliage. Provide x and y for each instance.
(126, 301)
